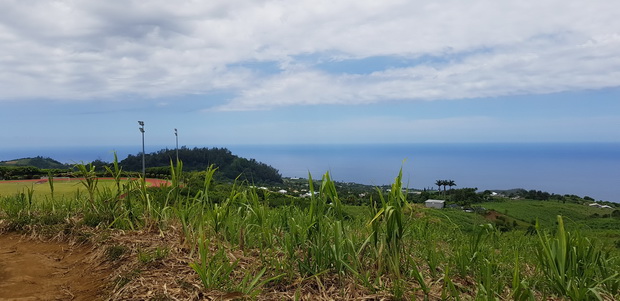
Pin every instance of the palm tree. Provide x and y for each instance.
(439, 183)
(451, 183)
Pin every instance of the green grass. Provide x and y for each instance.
(595, 222)
(575, 215)
(62, 188)
(389, 248)
(456, 218)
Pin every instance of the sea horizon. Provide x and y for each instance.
(580, 168)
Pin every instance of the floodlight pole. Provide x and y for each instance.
(176, 134)
(141, 123)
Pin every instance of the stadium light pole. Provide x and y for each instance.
(141, 123)
(176, 134)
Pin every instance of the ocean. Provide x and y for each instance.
(583, 169)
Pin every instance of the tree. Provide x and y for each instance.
(230, 167)
(439, 183)
(465, 196)
(451, 183)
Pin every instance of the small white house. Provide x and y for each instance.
(439, 204)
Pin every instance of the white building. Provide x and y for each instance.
(439, 204)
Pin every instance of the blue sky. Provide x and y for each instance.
(273, 72)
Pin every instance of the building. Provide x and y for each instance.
(439, 204)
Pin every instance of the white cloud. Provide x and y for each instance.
(545, 68)
(109, 49)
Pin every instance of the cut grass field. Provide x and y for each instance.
(63, 188)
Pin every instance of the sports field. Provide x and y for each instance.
(63, 187)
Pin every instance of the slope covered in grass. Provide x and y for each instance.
(546, 211)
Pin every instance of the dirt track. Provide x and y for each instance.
(35, 270)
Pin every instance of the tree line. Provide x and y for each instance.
(444, 183)
(229, 166)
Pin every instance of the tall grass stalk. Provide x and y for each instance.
(250, 284)
(388, 227)
(204, 193)
(213, 269)
(50, 181)
(520, 288)
(572, 264)
(449, 290)
(116, 172)
(89, 180)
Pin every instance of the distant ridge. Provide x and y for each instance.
(38, 162)
(230, 167)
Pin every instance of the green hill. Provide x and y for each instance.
(576, 215)
(38, 162)
(229, 166)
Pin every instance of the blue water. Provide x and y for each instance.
(587, 169)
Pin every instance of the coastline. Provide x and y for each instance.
(583, 169)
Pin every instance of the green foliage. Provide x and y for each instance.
(576, 215)
(37, 162)
(50, 181)
(387, 247)
(213, 268)
(465, 196)
(150, 256)
(89, 179)
(574, 266)
(116, 172)
(231, 167)
(18, 209)
(520, 287)
(328, 244)
(250, 284)
(20, 172)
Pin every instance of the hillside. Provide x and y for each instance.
(38, 162)
(230, 167)
(199, 159)
(529, 211)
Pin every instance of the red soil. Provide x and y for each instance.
(36, 270)
(492, 215)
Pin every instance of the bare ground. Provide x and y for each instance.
(31, 269)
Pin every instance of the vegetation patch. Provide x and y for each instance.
(203, 238)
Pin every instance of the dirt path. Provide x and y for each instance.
(35, 270)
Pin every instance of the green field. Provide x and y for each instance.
(230, 239)
(576, 215)
(593, 222)
(62, 188)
